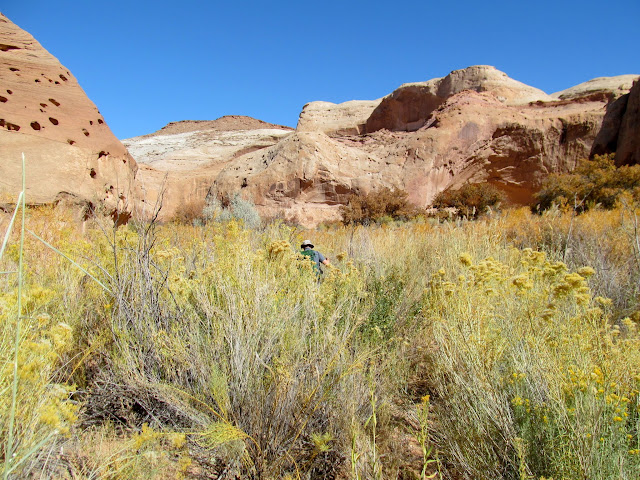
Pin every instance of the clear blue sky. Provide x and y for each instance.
(145, 64)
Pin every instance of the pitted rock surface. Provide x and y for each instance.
(70, 151)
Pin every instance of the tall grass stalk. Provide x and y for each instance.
(76, 264)
(9, 454)
(10, 226)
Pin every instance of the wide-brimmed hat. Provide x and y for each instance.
(307, 243)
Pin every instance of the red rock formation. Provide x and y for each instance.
(628, 145)
(436, 135)
(70, 151)
(409, 107)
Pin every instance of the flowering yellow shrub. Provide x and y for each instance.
(190, 335)
(523, 353)
(44, 409)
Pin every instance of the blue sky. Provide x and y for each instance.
(145, 64)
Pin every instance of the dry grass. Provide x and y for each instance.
(223, 336)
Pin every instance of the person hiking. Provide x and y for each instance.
(316, 257)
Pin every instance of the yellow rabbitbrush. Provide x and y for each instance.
(531, 374)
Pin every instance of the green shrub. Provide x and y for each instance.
(470, 200)
(593, 182)
(240, 361)
(530, 378)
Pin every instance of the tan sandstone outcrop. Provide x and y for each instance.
(343, 118)
(70, 152)
(182, 159)
(613, 87)
(409, 107)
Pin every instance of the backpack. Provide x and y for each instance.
(313, 256)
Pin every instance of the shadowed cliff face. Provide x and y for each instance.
(628, 145)
(620, 131)
(70, 151)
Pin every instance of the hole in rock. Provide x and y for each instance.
(57, 104)
(86, 133)
(90, 122)
(102, 154)
(14, 69)
(35, 125)
(100, 121)
(37, 80)
(53, 120)
(43, 105)
(92, 173)
(10, 126)
(71, 142)
(63, 78)
(3, 99)
(57, 83)
(42, 110)
(88, 211)
(10, 92)
(5, 48)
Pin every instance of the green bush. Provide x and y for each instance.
(470, 200)
(593, 182)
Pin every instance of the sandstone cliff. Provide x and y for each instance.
(620, 131)
(409, 107)
(474, 125)
(70, 152)
(183, 159)
(612, 87)
(342, 118)
(628, 144)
